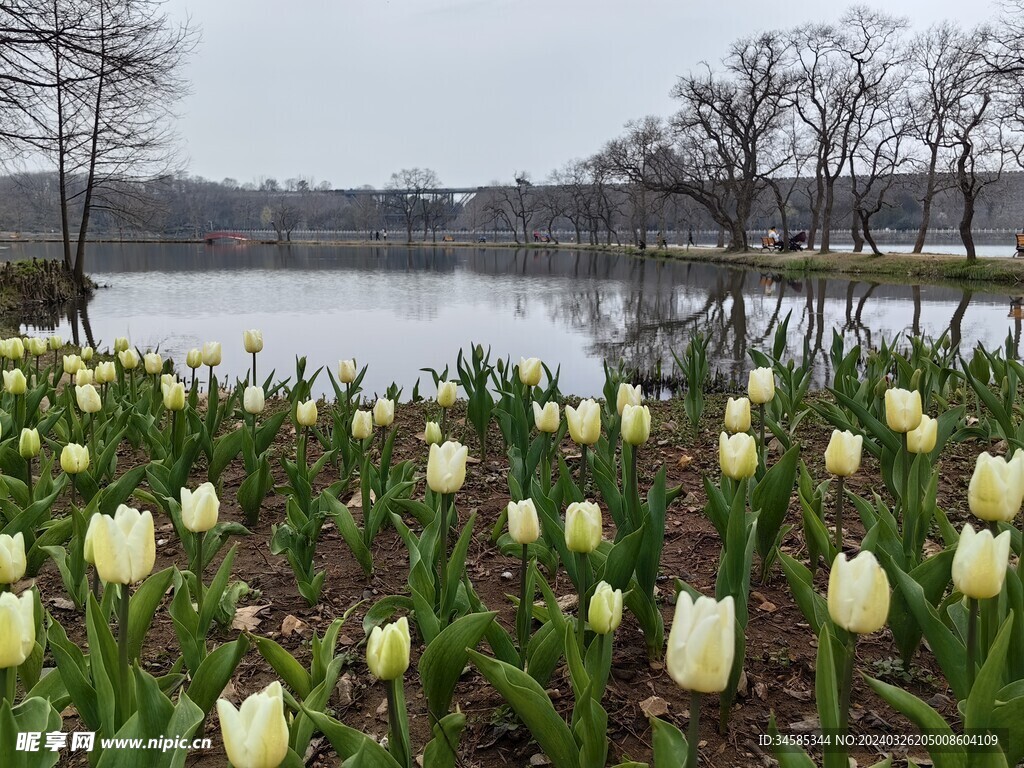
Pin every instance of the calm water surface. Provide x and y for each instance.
(400, 309)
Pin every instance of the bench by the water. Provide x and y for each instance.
(1020, 244)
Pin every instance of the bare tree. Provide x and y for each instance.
(408, 187)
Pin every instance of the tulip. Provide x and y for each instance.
(636, 424)
(253, 341)
(546, 417)
(122, 547)
(121, 344)
(200, 508)
(38, 346)
(5, 347)
(167, 380)
(524, 529)
(902, 410)
(523, 524)
(87, 353)
(153, 363)
(737, 415)
(194, 359)
(253, 400)
(383, 412)
(17, 630)
(84, 376)
(88, 399)
(28, 443)
(15, 348)
(105, 373)
(174, 397)
(256, 734)
(55, 342)
(15, 382)
(74, 458)
(212, 353)
(605, 609)
(923, 439)
(858, 593)
(12, 557)
(387, 650)
(447, 391)
(842, 456)
(584, 422)
(432, 433)
(346, 371)
(129, 359)
(306, 414)
(582, 527)
(446, 467)
(761, 386)
(979, 563)
(701, 643)
(737, 455)
(362, 425)
(530, 371)
(628, 395)
(997, 487)
(72, 364)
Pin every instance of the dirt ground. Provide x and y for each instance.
(781, 648)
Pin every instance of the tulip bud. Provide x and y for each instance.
(253, 341)
(174, 397)
(605, 613)
(737, 415)
(15, 348)
(636, 424)
(72, 364)
(122, 547)
(253, 400)
(902, 409)
(88, 399)
(737, 455)
(5, 347)
(447, 391)
(997, 487)
(881, 388)
(979, 563)
(28, 443)
(74, 458)
(129, 359)
(194, 358)
(306, 413)
(915, 379)
(15, 382)
(212, 353)
(702, 643)
(87, 353)
(584, 422)
(761, 385)
(362, 425)
(346, 371)
(84, 376)
(200, 508)
(153, 363)
(12, 557)
(256, 735)
(842, 457)
(105, 373)
(38, 346)
(980, 368)
(478, 353)
(922, 439)
(523, 524)
(432, 433)
(628, 395)
(582, 527)
(530, 371)
(55, 342)
(18, 620)
(546, 417)
(121, 344)
(446, 467)
(387, 650)
(383, 412)
(858, 593)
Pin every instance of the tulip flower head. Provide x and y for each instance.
(997, 487)
(194, 358)
(253, 400)
(212, 353)
(55, 342)
(737, 455)
(174, 397)
(15, 382)
(362, 424)
(447, 391)
(432, 433)
(28, 443)
(306, 414)
(200, 508)
(346, 371)
(87, 353)
(636, 424)
(701, 643)
(129, 359)
(105, 373)
(12, 557)
(153, 363)
(253, 341)
(979, 563)
(737, 415)
(923, 439)
(584, 422)
(902, 409)
(546, 417)
(72, 363)
(120, 344)
(842, 456)
(17, 628)
(84, 376)
(605, 612)
(858, 593)
(74, 458)
(387, 650)
(523, 524)
(383, 412)
(582, 527)
(37, 346)
(761, 385)
(122, 547)
(530, 371)
(88, 399)
(15, 348)
(628, 395)
(446, 467)
(256, 734)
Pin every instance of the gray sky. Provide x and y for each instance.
(349, 91)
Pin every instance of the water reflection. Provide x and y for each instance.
(400, 309)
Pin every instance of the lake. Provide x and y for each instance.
(399, 309)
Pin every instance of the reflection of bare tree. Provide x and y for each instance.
(955, 322)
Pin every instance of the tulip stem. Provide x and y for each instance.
(693, 731)
(840, 494)
(909, 531)
(761, 445)
(444, 424)
(197, 569)
(846, 684)
(131, 383)
(522, 622)
(28, 477)
(254, 369)
(124, 705)
(8, 689)
(209, 384)
(581, 617)
(446, 499)
(633, 504)
(398, 736)
(583, 470)
(972, 639)
(545, 462)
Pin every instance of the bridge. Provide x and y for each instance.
(213, 237)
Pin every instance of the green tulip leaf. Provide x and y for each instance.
(35, 715)
(925, 718)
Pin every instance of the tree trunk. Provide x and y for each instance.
(926, 201)
(865, 221)
(966, 235)
(739, 237)
(858, 241)
(90, 182)
(720, 242)
(62, 182)
(826, 216)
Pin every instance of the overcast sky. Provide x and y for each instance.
(349, 91)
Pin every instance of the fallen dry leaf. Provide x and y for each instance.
(247, 617)
(293, 625)
(655, 706)
(684, 461)
(63, 604)
(356, 502)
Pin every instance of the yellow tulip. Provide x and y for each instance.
(72, 364)
(129, 359)
(842, 456)
(737, 455)
(153, 363)
(523, 524)
(174, 397)
(447, 391)
(212, 353)
(432, 433)
(628, 395)
(88, 399)
(446, 467)
(15, 382)
(858, 593)
(362, 425)
(28, 443)
(979, 563)
(306, 414)
(582, 527)
(997, 487)
(701, 643)
(761, 385)
(105, 373)
(605, 612)
(84, 376)
(37, 347)
(194, 359)
(200, 508)
(737, 415)
(902, 409)
(923, 439)
(15, 348)
(346, 371)
(120, 344)
(55, 342)
(122, 547)
(12, 557)
(636, 424)
(546, 418)
(74, 458)
(387, 650)
(87, 353)
(17, 628)
(256, 734)
(253, 400)
(253, 341)
(383, 412)
(584, 422)
(530, 371)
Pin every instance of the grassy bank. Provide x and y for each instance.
(31, 285)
